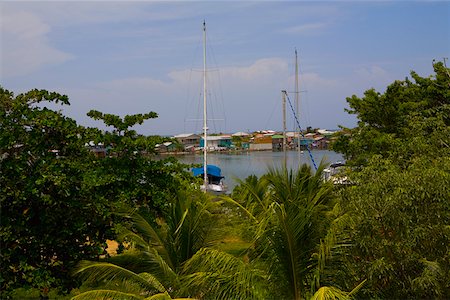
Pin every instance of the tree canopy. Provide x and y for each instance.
(58, 199)
(411, 118)
(400, 159)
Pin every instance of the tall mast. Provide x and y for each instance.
(283, 96)
(205, 128)
(297, 104)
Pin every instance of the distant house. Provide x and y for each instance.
(277, 142)
(321, 142)
(165, 147)
(219, 142)
(262, 139)
(306, 142)
(241, 134)
(99, 149)
(311, 135)
(292, 134)
(261, 142)
(188, 140)
(325, 132)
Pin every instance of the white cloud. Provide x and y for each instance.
(24, 45)
(367, 77)
(307, 29)
(251, 97)
(261, 70)
(371, 72)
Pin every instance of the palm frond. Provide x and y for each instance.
(102, 271)
(146, 230)
(106, 295)
(291, 223)
(430, 279)
(160, 268)
(357, 288)
(137, 240)
(165, 296)
(241, 207)
(330, 293)
(215, 274)
(253, 193)
(160, 296)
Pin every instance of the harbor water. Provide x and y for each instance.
(241, 165)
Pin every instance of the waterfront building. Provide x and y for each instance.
(188, 140)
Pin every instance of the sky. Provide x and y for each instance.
(128, 57)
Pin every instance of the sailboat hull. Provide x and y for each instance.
(215, 183)
(217, 189)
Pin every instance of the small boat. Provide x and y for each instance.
(334, 174)
(215, 179)
(212, 178)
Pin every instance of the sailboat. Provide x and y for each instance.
(212, 177)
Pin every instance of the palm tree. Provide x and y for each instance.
(289, 210)
(158, 249)
(169, 258)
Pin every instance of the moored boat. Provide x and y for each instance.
(215, 179)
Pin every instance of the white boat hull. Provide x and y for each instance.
(214, 188)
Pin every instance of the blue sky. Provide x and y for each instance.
(134, 57)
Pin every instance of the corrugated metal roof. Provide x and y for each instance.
(185, 135)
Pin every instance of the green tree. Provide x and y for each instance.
(408, 110)
(399, 232)
(129, 174)
(122, 125)
(58, 199)
(237, 141)
(399, 206)
(48, 219)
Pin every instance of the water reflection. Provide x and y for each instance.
(244, 164)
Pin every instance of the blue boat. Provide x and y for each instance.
(215, 178)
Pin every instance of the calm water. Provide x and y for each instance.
(257, 162)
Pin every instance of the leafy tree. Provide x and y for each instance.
(49, 221)
(57, 198)
(128, 174)
(399, 232)
(122, 125)
(407, 111)
(399, 206)
(237, 141)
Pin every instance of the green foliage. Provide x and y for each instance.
(213, 274)
(400, 233)
(237, 141)
(168, 256)
(49, 221)
(412, 111)
(289, 215)
(57, 198)
(124, 141)
(128, 174)
(399, 207)
(122, 125)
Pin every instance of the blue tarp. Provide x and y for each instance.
(210, 170)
